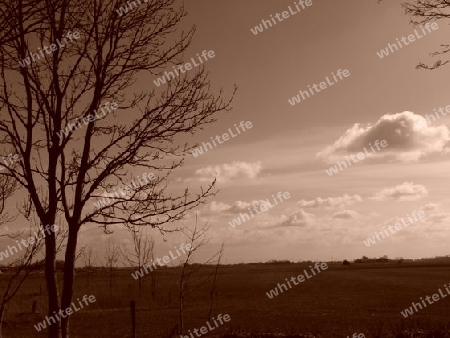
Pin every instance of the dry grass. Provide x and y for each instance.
(336, 303)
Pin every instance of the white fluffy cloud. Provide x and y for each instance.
(237, 207)
(330, 202)
(439, 217)
(407, 191)
(217, 206)
(346, 214)
(408, 136)
(225, 173)
(298, 218)
(430, 206)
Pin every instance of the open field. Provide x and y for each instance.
(362, 298)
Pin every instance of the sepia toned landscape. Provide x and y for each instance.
(226, 169)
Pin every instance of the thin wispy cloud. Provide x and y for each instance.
(346, 214)
(407, 191)
(331, 202)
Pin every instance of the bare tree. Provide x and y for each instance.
(7, 188)
(213, 292)
(88, 261)
(425, 11)
(197, 238)
(22, 267)
(153, 274)
(422, 12)
(112, 254)
(31, 247)
(71, 156)
(142, 252)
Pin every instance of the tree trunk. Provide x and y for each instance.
(2, 310)
(69, 269)
(153, 279)
(181, 313)
(51, 281)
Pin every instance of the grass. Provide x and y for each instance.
(338, 302)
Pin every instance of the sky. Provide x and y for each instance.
(290, 147)
(280, 152)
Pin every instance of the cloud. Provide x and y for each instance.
(407, 191)
(346, 214)
(408, 136)
(430, 206)
(225, 173)
(237, 207)
(217, 206)
(331, 202)
(298, 218)
(439, 217)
